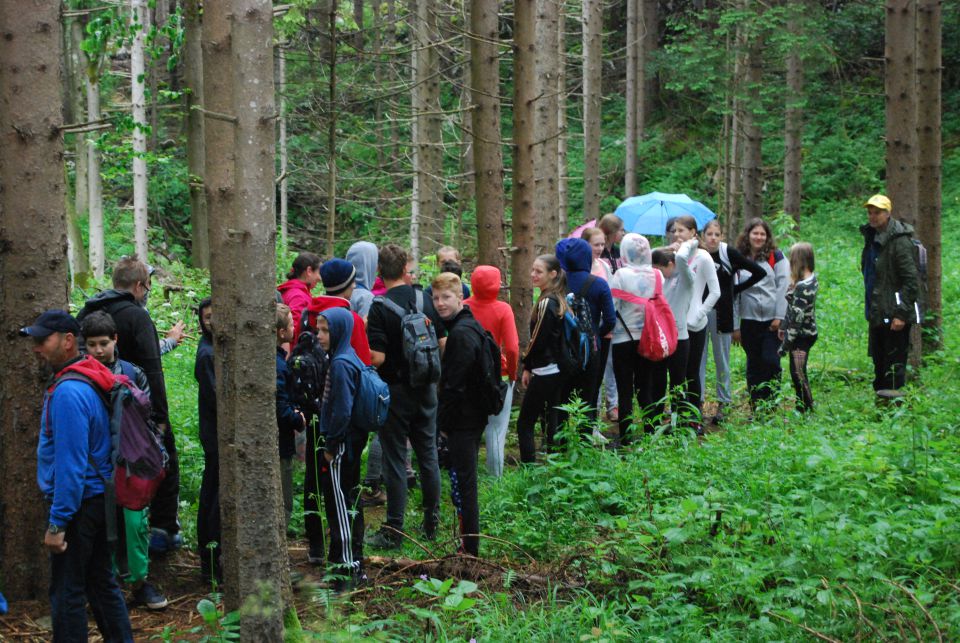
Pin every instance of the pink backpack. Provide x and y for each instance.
(658, 340)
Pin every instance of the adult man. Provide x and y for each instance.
(73, 462)
(891, 284)
(138, 343)
(412, 408)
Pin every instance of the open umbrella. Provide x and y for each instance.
(648, 214)
(592, 223)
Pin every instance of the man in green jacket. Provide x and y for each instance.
(891, 283)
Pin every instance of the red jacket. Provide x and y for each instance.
(495, 316)
(358, 340)
(296, 295)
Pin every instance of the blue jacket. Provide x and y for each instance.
(74, 436)
(289, 420)
(576, 259)
(342, 382)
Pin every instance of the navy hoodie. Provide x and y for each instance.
(342, 381)
(576, 258)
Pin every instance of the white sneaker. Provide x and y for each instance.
(599, 437)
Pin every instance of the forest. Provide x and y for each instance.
(217, 140)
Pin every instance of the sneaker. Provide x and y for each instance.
(613, 414)
(148, 596)
(373, 498)
(599, 437)
(383, 538)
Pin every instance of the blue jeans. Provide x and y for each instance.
(84, 573)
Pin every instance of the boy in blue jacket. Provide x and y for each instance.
(290, 419)
(343, 444)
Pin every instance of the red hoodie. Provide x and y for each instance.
(93, 370)
(495, 316)
(358, 340)
(296, 295)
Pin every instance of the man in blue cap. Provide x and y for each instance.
(73, 463)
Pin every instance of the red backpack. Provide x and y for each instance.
(658, 340)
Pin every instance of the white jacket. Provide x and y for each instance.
(704, 278)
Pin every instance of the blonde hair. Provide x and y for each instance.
(449, 250)
(283, 313)
(801, 258)
(590, 232)
(610, 224)
(447, 281)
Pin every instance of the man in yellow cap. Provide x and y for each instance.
(891, 284)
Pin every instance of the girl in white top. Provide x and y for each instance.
(601, 268)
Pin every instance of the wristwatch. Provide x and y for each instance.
(55, 529)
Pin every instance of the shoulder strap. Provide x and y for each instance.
(305, 320)
(625, 327)
(129, 370)
(725, 257)
(586, 286)
(394, 306)
(80, 377)
(419, 299)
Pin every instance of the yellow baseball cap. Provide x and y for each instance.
(879, 201)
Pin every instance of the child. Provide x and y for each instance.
(208, 505)
(799, 332)
(133, 560)
(289, 418)
(342, 445)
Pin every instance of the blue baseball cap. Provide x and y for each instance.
(52, 321)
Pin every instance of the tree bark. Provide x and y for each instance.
(487, 146)
(563, 192)
(793, 129)
(634, 58)
(524, 187)
(332, 133)
(94, 180)
(358, 18)
(282, 94)
(33, 271)
(901, 107)
(546, 124)
(428, 140)
(647, 83)
(929, 151)
(193, 78)
(466, 192)
(592, 95)
(139, 21)
(75, 67)
(753, 137)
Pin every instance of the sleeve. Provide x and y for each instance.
(206, 387)
(288, 418)
(781, 271)
(511, 342)
(338, 414)
(140, 380)
(148, 347)
(358, 340)
(538, 339)
(459, 361)
(682, 261)
(739, 262)
(377, 328)
(789, 326)
(906, 296)
(167, 344)
(71, 413)
(608, 314)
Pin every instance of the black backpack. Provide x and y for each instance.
(491, 389)
(920, 259)
(308, 365)
(580, 346)
(421, 350)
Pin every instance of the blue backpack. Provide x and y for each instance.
(372, 400)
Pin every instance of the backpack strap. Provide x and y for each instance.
(586, 286)
(305, 321)
(128, 370)
(725, 257)
(418, 294)
(393, 306)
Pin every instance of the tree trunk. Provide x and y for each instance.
(193, 77)
(358, 18)
(466, 192)
(592, 95)
(282, 94)
(378, 79)
(753, 137)
(793, 130)
(524, 187)
(901, 107)
(563, 193)
(94, 180)
(139, 21)
(487, 147)
(546, 125)
(929, 71)
(428, 140)
(635, 57)
(75, 63)
(33, 271)
(332, 133)
(734, 140)
(646, 83)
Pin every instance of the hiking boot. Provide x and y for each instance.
(429, 529)
(384, 538)
(148, 596)
(599, 437)
(161, 542)
(613, 414)
(373, 498)
(315, 555)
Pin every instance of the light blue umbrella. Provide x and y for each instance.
(648, 214)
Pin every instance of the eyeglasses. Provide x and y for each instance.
(412, 273)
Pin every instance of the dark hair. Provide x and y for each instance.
(558, 287)
(713, 223)
(129, 271)
(662, 257)
(743, 241)
(98, 324)
(451, 266)
(610, 223)
(686, 220)
(801, 258)
(393, 262)
(206, 302)
(589, 232)
(303, 261)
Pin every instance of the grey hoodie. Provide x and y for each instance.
(767, 300)
(364, 256)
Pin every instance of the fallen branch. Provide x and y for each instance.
(809, 630)
(923, 609)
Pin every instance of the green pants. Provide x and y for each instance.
(132, 556)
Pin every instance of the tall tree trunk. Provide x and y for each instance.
(466, 193)
(428, 140)
(193, 77)
(75, 67)
(753, 137)
(901, 107)
(487, 148)
(929, 72)
(524, 187)
(563, 192)
(647, 83)
(139, 20)
(358, 18)
(546, 125)
(94, 180)
(592, 95)
(332, 133)
(734, 141)
(793, 129)
(282, 94)
(634, 59)
(33, 271)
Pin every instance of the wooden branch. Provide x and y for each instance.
(75, 13)
(80, 128)
(217, 116)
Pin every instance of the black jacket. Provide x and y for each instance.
(726, 274)
(544, 346)
(459, 405)
(137, 341)
(206, 394)
(289, 420)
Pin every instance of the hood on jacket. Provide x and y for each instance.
(326, 302)
(293, 285)
(340, 322)
(574, 255)
(895, 228)
(364, 257)
(90, 368)
(486, 283)
(635, 251)
(205, 303)
(103, 299)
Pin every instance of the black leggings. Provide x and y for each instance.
(698, 343)
(540, 402)
(763, 359)
(634, 380)
(798, 372)
(676, 367)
